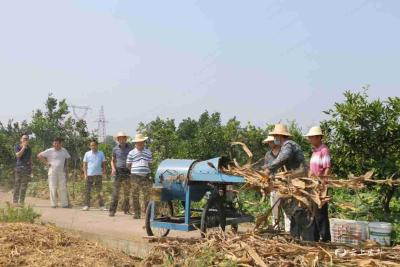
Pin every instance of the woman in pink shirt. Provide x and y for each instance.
(320, 166)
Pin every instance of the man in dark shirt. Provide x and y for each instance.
(291, 158)
(121, 173)
(23, 170)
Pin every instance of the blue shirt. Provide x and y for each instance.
(94, 162)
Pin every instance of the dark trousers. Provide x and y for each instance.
(140, 184)
(322, 221)
(122, 179)
(22, 178)
(303, 227)
(95, 180)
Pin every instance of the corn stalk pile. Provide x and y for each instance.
(249, 249)
(23, 244)
(310, 192)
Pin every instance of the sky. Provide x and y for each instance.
(261, 61)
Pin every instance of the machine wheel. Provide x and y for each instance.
(163, 209)
(213, 215)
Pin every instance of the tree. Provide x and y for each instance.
(55, 121)
(365, 135)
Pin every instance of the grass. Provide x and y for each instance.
(18, 214)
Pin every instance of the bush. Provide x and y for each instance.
(13, 214)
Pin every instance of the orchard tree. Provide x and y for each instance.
(365, 135)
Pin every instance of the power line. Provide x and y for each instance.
(75, 108)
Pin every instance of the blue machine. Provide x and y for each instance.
(187, 181)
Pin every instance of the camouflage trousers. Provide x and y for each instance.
(122, 179)
(22, 178)
(140, 184)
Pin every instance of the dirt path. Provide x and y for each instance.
(121, 231)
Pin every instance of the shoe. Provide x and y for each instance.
(67, 207)
(112, 214)
(103, 208)
(136, 217)
(85, 208)
(127, 212)
(53, 207)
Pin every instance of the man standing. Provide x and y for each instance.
(56, 158)
(23, 170)
(94, 167)
(320, 166)
(138, 162)
(269, 157)
(120, 172)
(291, 158)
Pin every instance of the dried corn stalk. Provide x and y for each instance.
(308, 191)
(266, 249)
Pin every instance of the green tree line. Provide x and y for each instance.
(362, 134)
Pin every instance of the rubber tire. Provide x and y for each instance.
(215, 202)
(148, 216)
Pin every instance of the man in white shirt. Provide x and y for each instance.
(56, 158)
(138, 162)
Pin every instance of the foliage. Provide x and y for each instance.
(365, 135)
(12, 214)
(53, 121)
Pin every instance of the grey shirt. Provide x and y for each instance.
(269, 157)
(291, 156)
(120, 155)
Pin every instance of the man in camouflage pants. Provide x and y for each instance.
(23, 170)
(138, 162)
(121, 173)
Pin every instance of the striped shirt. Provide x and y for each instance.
(320, 160)
(139, 161)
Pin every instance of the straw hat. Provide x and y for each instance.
(121, 134)
(139, 138)
(315, 131)
(280, 129)
(270, 138)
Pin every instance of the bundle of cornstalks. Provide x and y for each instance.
(23, 244)
(309, 192)
(249, 249)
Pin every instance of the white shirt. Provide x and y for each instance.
(56, 158)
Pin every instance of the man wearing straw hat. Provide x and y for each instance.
(138, 161)
(120, 172)
(291, 158)
(320, 166)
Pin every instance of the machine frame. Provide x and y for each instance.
(189, 181)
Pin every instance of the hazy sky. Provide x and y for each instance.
(262, 61)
